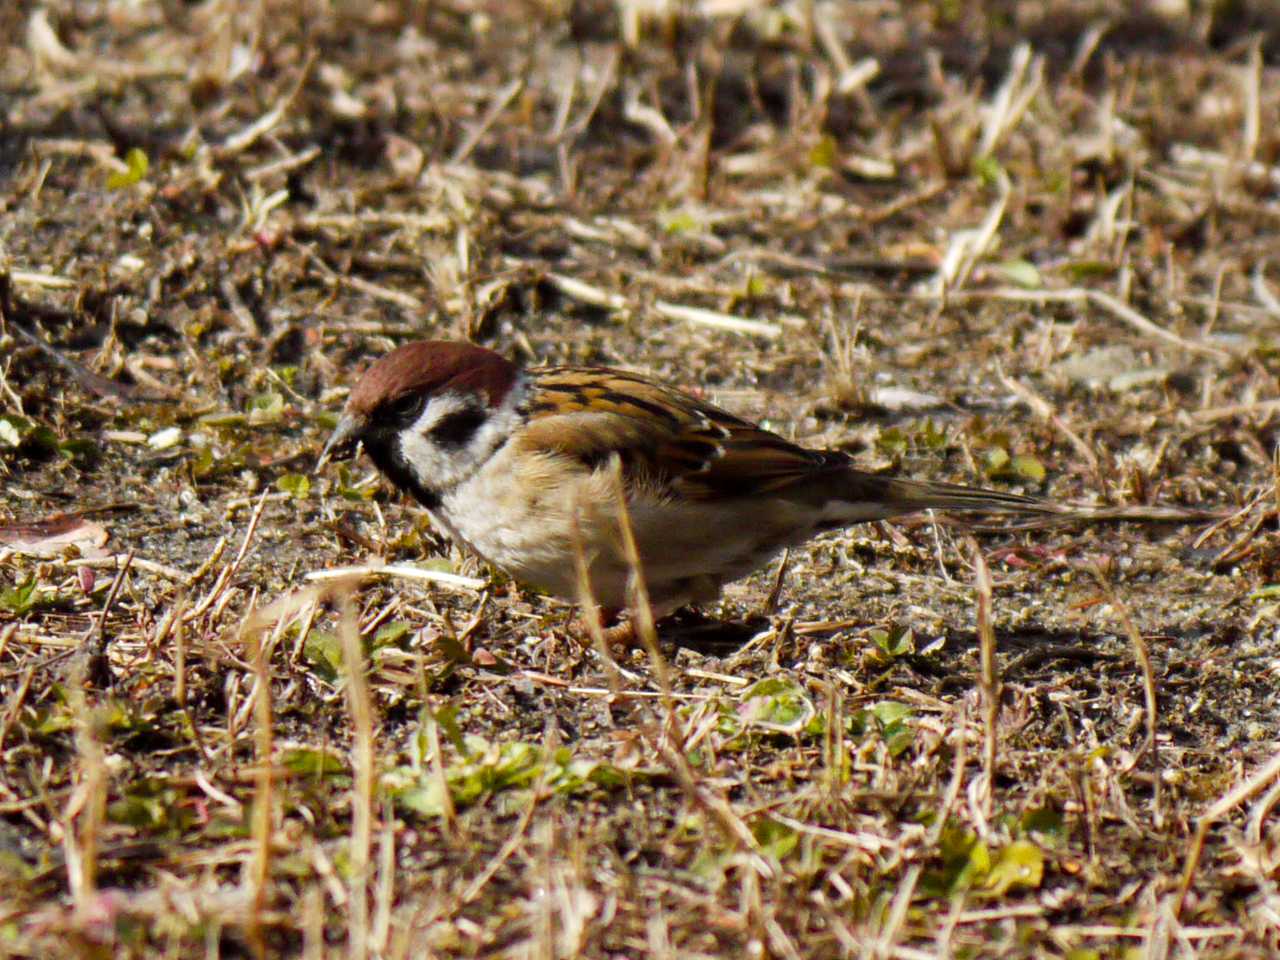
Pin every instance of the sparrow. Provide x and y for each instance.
(525, 468)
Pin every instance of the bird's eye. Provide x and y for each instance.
(407, 407)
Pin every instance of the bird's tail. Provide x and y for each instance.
(852, 496)
(868, 496)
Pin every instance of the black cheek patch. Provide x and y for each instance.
(458, 427)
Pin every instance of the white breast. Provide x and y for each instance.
(531, 515)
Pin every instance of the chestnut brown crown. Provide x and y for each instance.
(431, 366)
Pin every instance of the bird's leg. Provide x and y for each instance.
(618, 633)
(621, 636)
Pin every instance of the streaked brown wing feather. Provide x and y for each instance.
(663, 436)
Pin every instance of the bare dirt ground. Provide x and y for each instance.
(1018, 244)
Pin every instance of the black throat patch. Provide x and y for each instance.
(386, 456)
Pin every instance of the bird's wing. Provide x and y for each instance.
(662, 436)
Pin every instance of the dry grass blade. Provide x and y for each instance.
(716, 320)
(1021, 84)
(85, 812)
(501, 100)
(1103, 301)
(1259, 408)
(645, 628)
(988, 678)
(360, 705)
(886, 946)
(1262, 292)
(1143, 658)
(115, 561)
(92, 382)
(46, 281)
(968, 246)
(1242, 791)
(14, 701)
(513, 843)
(402, 572)
(1045, 412)
(239, 142)
(263, 817)
(586, 293)
(258, 870)
(217, 591)
(449, 812)
(589, 610)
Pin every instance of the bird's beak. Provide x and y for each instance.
(343, 436)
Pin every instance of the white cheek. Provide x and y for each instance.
(438, 467)
(441, 467)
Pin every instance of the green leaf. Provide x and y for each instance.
(895, 642)
(898, 737)
(50, 722)
(323, 650)
(484, 769)
(712, 863)
(125, 717)
(153, 804)
(891, 711)
(776, 839)
(963, 856)
(20, 599)
(447, 718)
(894, 722)
(968, 863)
(1088, 270)
(42, 438)
(892, 441)
(930, 437)
(824, 153)
(681, 222)
(979, 860)
(390, 634)
(297, 485)
(266, 407)
(142, 813)
(777, 705)
(202, 463)
(453, 651)
(136, 163)
(1020, 864)
(80, 451)
(313, 763)
(425, 797)
(1046, 821)
(988, 170)
(1029, 467)
(1021, 273)
(347, 488)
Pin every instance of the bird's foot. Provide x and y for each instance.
(619, 635)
